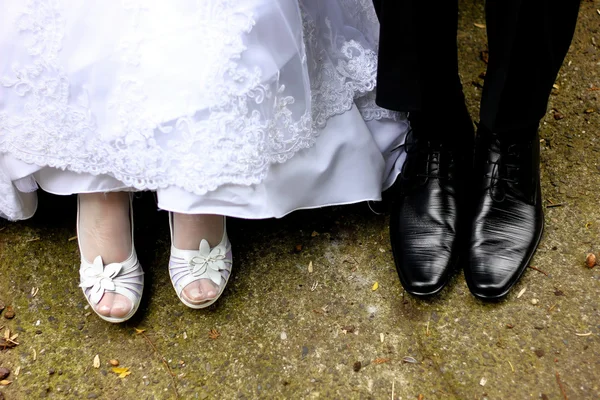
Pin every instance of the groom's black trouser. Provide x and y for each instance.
(418, 61)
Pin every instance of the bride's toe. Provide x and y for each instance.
(209, 289)
(193, 292)
(199, 291)
(105, 305)
(121, 306)
(113, 305)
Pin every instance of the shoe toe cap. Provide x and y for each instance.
(492, 274)
(424, 274)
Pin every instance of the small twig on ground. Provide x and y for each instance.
(538, 270)
(552, 308)
(162, 358)
(555, 205)
(562, 388)
(393, 387)
(352, 260)
(511, 366)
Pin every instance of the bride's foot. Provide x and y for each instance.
(200, 262)
(108, 259)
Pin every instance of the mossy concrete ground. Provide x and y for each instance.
(285, 332)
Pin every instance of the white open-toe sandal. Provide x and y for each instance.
(187, 266)
(125, 278)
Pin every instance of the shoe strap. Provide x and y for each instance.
(126, 278)
(187, 266)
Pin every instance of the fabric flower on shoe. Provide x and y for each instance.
(208, 262)
(100, 278)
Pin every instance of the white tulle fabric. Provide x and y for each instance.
(187, 94)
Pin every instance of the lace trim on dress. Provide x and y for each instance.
(10, 207)
(350, 77)
(240, 139)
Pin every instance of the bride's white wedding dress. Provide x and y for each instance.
(246, 108)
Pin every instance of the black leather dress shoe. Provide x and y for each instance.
(426, 212)
(508, 220)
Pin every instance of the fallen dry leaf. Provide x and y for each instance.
(410, 360)
(139, 331)
(8, 341)
(213, 334)
(5, 382)
(96, 361)
(521, 292)
(310, 267)
(7, 344)
(380, 360)
(121, 371)
(485, 56)
(375, 286)
(481, 26)
(348, 329)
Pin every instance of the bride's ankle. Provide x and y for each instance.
(104, 226)
(190, 229)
